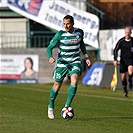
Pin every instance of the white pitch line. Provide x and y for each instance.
(107, 97)
(79, 94)
(97, 96)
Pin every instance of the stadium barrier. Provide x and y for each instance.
(101, 74)
(45, 68)
(35, 39)
(107, 76)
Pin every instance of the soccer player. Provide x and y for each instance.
(69, 42)
(125, 44)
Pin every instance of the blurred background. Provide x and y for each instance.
(27, 26)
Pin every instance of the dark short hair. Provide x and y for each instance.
(69, 17)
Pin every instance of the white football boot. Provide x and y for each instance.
(50, 113)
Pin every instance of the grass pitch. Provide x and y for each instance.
(23, 109)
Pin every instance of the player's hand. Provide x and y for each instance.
(88, 62)
(51, 60)
(115, 62)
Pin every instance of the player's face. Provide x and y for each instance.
(127, 33)
(68, 25)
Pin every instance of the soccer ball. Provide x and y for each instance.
(67, 113)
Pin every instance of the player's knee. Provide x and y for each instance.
(74, 82)
(74, 79)
(130, 72)
(57, 86)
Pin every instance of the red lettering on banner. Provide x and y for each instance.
(33, 5)
(10, 76)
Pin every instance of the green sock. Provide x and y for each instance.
(53, 95)
(70, 95)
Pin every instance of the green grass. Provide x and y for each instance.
(23, 109)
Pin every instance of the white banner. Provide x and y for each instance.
(15, 67)
(51, 13)
(3, 3)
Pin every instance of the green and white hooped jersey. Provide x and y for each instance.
(69, 46)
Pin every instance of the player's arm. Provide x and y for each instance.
(83, 49)
(116, 49)
(53, 44)
(86, 57)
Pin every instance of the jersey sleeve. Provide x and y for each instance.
(53, 43)
(82, 44)
(116, 49)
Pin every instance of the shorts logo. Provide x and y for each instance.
(58, 76)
